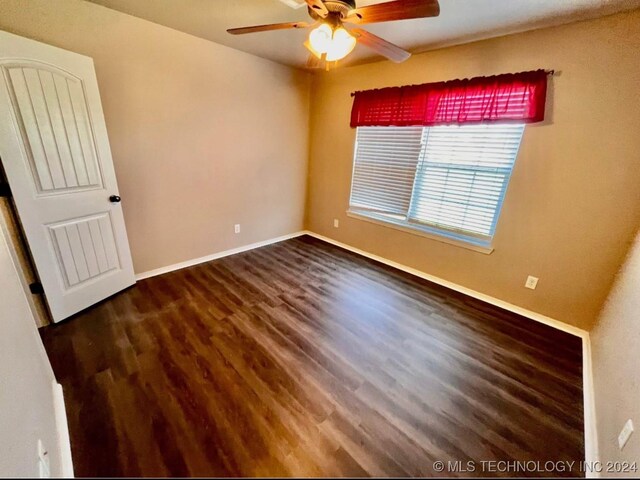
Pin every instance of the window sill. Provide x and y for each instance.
(417, 231)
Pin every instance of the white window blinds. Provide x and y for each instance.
(385, 168)
(449, 179)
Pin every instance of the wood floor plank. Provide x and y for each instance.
(304, 359)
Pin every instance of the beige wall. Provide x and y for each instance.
(574, 199)
(615, 343)
(203, 136)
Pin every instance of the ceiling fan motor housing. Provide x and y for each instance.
(336, 7)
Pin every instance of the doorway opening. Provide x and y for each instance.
(22, 258)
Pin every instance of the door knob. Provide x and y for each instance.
(114, 199)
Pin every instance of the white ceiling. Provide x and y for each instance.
(460, 21)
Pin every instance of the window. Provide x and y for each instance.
(445, 180)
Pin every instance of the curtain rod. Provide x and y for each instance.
(548, 72)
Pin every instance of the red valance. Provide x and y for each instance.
(511, 97)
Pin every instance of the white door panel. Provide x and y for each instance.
(53, 115)
(55, 150)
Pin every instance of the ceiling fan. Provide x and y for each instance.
(330, 41)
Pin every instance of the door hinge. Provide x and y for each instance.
(36, 288)
(5, 190)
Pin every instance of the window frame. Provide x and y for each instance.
(477, 242)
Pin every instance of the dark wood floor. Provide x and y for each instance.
(304, 359)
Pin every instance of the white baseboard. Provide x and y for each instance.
(459, 288)
(590, 432)
(591, 450)
(215, 256)
(62, 427)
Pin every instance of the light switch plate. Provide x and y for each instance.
(336, 223)
(626, 432)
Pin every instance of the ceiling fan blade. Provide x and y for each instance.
(318, 7)
(266, 28)
(396, 10)
(380, 45)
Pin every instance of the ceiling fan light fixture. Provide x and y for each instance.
(320, 39)
(341, 45)
(336, 43)
(329, 41)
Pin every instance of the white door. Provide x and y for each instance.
(55, 152)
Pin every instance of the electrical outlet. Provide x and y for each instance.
(336, 223)
(44, 467)
(532, 282)
(626, 432)
(236, 228)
